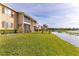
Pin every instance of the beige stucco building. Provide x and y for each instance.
(26, 23)
(11, 19)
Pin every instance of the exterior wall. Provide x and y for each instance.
(26, 28)
(15, 20)
(7, 18)
(0, 17)
(33, 25)
(27, 23)
(20, 21)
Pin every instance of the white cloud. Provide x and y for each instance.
(55, 15)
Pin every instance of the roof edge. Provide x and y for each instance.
(7, 7)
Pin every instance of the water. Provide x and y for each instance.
(73, 39)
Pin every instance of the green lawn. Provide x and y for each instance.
(35, 44)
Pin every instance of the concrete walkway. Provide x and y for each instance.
(73, 39)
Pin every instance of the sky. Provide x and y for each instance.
(55, 15)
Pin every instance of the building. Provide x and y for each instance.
(26, 23)
(39, 27)
(11, 19)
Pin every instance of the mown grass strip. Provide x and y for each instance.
(35, 44)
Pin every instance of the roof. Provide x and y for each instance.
(7, 7)
(28, 16)
(18, 12)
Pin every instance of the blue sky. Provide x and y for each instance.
(53, 14)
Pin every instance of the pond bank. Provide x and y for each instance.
(73, 39)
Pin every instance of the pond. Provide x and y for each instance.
(69, 36)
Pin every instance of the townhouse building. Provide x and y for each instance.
(26, 23)
(11, 19)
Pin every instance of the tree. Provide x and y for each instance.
(44, 28)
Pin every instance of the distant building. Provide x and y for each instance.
(11, 19)
(39, 27)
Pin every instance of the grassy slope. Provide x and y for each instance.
(35, 44)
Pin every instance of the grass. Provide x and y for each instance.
(35, 44)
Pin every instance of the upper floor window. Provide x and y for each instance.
(6, 11)
(9, 12)
(12, 14)
(2, 9)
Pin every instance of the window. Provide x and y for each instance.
(6, 11)
(7, 24)
(2, 9)
(12, 14)
(11, 25)
(3, 24)
(9, 12)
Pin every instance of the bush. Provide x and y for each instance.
(7, 31)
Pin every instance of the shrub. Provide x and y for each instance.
(6, 31)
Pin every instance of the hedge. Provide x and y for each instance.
(7, 31)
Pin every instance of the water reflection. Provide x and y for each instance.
(69, 37)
